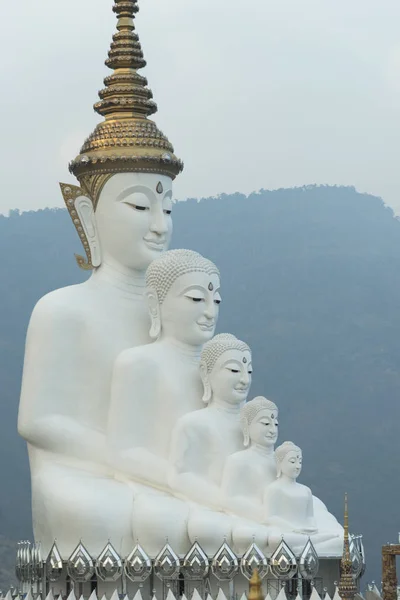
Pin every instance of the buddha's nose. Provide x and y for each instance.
(210, 310)
(245, 378)
(158, 223)
(208, 313)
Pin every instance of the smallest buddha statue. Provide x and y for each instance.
(289, 509)
(289, 504)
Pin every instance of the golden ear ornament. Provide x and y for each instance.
(70, 194)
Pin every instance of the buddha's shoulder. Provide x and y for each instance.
(198, 419)
(62, 305)
(141, 358)
(304, 489)
(240, 458)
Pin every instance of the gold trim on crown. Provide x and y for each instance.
(127, 140)
(70, 194)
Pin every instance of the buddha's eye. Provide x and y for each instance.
(167, 212)
(137, 207)
(195, 295)
(217, 299)
(250, 372)
(234, 370)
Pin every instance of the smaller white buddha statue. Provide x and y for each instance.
(289, 504)
(247, 472)
(289, 509)
(202, 440)
(154, 385)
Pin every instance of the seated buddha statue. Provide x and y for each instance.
(122, 214)
(202, 440)
(289, 507)
(154, 385)
(288, 503)
(74, 336)
(248, 471)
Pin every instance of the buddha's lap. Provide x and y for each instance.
(69, 491)
(209, 527)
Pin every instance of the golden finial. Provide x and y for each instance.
(255, 591)
(347, 586)
(127, 140)
(126, 93)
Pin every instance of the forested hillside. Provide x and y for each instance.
(311, 280)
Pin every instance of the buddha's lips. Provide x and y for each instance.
(206, 326)
(155, 245)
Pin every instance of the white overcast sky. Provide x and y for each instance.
(252, 93)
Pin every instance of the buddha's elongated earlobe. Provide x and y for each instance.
(80, 208)
(155, 313)
(85, 210)
(207, 396)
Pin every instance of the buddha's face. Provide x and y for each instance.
(291, 464)
(263, 430)
(133, 218)
(190, 310)
(230, 378)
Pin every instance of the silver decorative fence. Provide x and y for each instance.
(193, 572)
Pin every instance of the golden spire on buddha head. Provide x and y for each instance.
(127, 140)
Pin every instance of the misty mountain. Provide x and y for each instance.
(311, 280)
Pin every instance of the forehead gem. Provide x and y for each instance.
(245, 360)
(210, 287)
(159, 187)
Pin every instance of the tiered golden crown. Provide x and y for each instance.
(127, 140)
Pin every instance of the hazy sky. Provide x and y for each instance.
(252, 93)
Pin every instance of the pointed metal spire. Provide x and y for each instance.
(255, 590)
(126, 93)
(347, 587)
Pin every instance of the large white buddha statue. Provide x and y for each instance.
(202, 440)
(122, 213)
